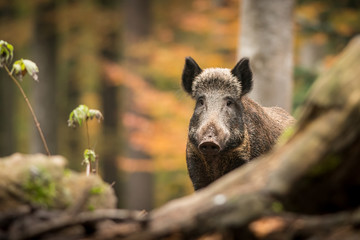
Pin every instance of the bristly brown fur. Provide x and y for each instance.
(216, 79)
(264, 125)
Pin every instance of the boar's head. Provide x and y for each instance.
(216, 125)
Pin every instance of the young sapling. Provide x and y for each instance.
(77, 117)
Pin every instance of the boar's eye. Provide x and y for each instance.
(229, 103)
(201, 101)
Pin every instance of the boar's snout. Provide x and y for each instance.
(211, 137)
(209, 148)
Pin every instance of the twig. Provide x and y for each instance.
(31, 109)
(96, 168)
(89, 168)
(8, 216)
(87, 134)
(324, 222)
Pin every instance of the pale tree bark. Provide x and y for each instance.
(311, 54)
(266, 37)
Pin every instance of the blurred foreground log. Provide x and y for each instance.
(308, 186)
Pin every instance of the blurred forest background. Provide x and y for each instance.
(125, 58)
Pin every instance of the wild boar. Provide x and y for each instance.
(227, 128)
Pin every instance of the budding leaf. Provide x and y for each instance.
(19, 69)
(89, 156)
(83, 113)
(78, 115)
(95, 113)
(23, 66)
(31, 69)
(6, 53)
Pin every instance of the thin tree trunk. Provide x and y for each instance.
(8, 92)
(137, 20)
(44, 92)
(7, 98)
(110, 153)
(137, 25)
(111, 94)
(112, 111)
(266, 37)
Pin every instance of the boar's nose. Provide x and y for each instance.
(209, 148)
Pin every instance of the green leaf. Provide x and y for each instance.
(78, 115)
(89, 156)
(6, 53)
(23, 66)
(83, 113)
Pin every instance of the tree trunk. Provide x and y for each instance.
(44, 92)
(139, 184)
(110, 153)
(7, 98)
(267, 39)
(111, 108)
(137, 20)
(8, 95)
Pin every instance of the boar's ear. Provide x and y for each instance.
(243, 72)
(191, 70)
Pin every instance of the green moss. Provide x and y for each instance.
(91, 207)
(277, 207)
(171, 185)
(97, 190)
(67, 173)
(304, 78)
(40, 187)
(286, 135)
